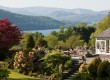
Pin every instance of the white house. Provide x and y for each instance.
(103, 42)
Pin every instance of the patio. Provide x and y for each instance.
(102, 56)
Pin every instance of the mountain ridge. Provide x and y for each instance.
(25, 22)
(67, 15)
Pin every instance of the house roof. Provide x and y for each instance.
(104, 34)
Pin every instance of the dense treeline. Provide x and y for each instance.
(63, 39)
(31, 22)
(84, 30)
(100, 27)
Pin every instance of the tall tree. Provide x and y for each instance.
(100, 27)
(103, 70)
(53, 33)
(30, 43)
(61, 30)
(51, 40)
(93, 66)
(41, 43)
(84, 31)
(9, 34)
(68, 32)
(74, 41)
(38, 35)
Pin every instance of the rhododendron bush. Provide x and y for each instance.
(23, 62)
(9, 34)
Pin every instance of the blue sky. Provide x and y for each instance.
(97, 5)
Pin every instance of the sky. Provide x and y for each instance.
(97, 5)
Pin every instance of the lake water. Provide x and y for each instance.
(44, 32)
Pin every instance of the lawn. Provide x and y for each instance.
(17, 76)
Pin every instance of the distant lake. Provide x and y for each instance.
(44, 32)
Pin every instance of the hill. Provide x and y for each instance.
(103, 24)
(31, 22)
(66, 15)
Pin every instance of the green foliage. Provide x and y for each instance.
(17, 47)
(53, 33)
(103, 70)
(64, 34)
(9, 62)
(62, 44)
(68, 64)
(84, 31)
(97, 70)
(100, 27)
(38, 35)
(4, 73)
(92, 41)
(30, 43)
(103, 25)
(61, 36)
(24, 41)
(61, 29)
(93, 66)
(82, 76)
(68, 32)
(51, 40)
(23, 62)
(31, 22)
(52, 63)
(41, 43)
(74, 41)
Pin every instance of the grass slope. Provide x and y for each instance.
(17, 76)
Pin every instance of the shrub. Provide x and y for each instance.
(82, 76)
(4, 73)
(82, 68)
(30, 43)
(9, 61)
(23, 62)
(52, 63)
(103, 70)
(92, 68)
(68, 64)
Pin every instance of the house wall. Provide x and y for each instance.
(102, 48)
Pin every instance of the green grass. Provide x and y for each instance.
(17, 76)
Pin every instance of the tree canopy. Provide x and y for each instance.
(9, 34)
(100, 27)
(84, 31)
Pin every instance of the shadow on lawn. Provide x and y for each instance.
(22, 79)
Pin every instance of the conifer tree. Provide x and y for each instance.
(103, 70)
(92, 68)
(30, 43)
